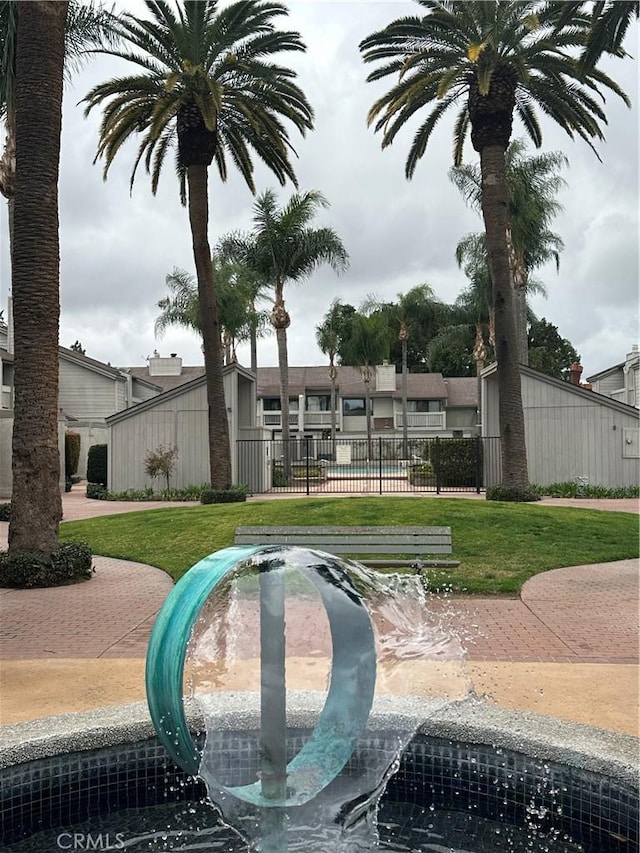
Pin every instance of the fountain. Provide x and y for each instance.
(288, 765)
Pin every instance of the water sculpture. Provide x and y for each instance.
(282, 786)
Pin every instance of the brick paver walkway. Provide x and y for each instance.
(585, 614)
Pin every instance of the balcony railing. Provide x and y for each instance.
(422, 420)
(322, 420)
(274, 419)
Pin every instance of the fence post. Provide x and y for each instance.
(436, 467)
(380, 463)
(478, 463)
(306, 456)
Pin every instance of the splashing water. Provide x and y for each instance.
(418, 651)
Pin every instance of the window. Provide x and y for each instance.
(424, 405)
(353, 406)
(272, 404)
(318, 403)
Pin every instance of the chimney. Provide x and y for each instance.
(575, 372)
(159, 366)
(385, 376)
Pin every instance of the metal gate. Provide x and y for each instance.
(359, 466)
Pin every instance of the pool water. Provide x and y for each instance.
(447, 797)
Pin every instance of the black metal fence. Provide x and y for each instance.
(379, 466)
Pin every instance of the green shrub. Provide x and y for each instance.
(71, 452)
(223, 496)
(5, 512)
(97, 464)
(455, 461)
(509, 493)
(571, 489)
(97, 492)
(70, 562)
(67, 484)
(278, 480)
(425, 468)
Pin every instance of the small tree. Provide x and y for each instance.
(161, 462)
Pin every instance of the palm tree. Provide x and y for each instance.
(497, 59)
(236, 286)
(86, 25)
(206, 82)
(368, 344)
(36, 503)
(328, 339)
(414, 313)
(532, 184)
(283, 247)
(610, 21)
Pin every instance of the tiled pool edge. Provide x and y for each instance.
(603, 751)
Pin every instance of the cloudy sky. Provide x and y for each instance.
(117, 248)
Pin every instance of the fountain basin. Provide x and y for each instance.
(468, 761)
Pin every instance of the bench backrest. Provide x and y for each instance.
(352, 540)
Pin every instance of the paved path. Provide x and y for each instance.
(585, 615)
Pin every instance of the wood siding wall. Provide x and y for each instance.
(570, 434)
(86, 395)
(180, 422)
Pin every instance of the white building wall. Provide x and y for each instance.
(87, 395)
(570, 434)
(181, 422)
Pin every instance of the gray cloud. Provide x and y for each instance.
(117, 248)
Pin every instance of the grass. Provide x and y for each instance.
(499, 545)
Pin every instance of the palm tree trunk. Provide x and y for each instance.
(405, 431)
(366, 375)
(36, 505)
(283, 362)
(511, 417)
(253, 340)
(332, 377)
(519, 282)
(219, 449)
(280, 321)
(479, 356)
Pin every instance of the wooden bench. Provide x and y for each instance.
(361, 541)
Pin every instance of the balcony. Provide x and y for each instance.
(422, 420)
(309, 420)
(273, 420)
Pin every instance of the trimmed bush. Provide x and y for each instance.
(70, 563)
(97, 464)
(97, 492)
(508, 493)
(5, 512)
(71, 453)
(455, 461)
(223, 496)
(278, 480)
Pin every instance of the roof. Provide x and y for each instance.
(165, 383)
(463, 391)
(171, 393)
(608, 372)
(349, 383)
(570, 388)
(91, 363)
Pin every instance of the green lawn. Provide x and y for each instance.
(499, 545)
